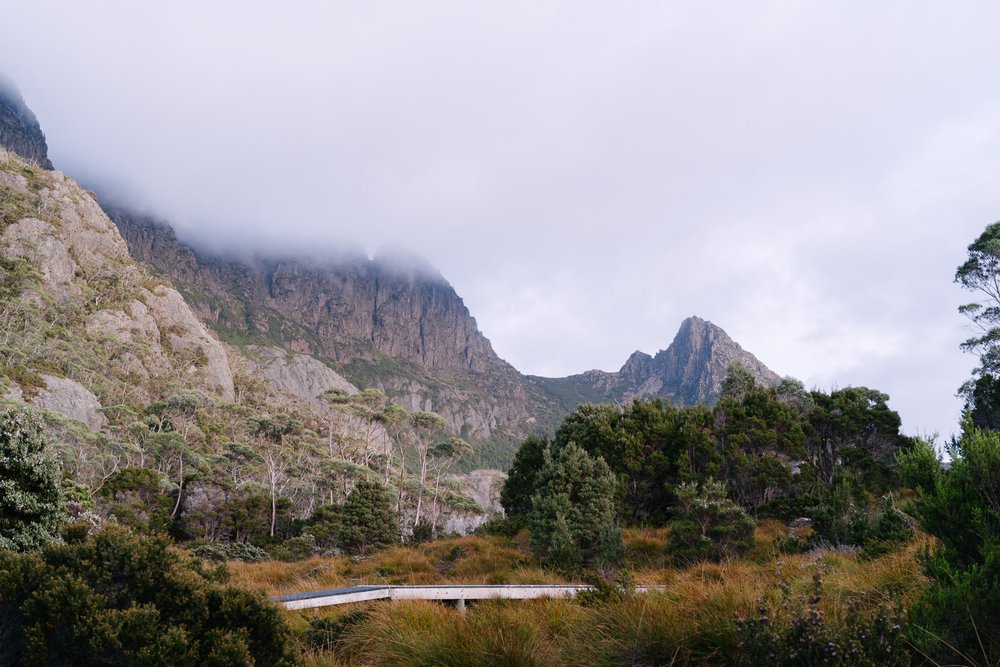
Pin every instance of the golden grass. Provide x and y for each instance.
(691, 622)
(470, 560)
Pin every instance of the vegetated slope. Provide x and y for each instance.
(689, 372)
(19, 129)
(80, 315)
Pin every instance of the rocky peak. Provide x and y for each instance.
(695, 363)
(20, 132)
(690, 371)
(637, 367)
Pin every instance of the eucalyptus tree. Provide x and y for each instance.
(980, 274)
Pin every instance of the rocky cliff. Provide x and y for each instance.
(389, 322)
(19, 129)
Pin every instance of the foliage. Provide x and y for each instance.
(31, 504)
(854, 429)
(224, 551)
(299, 547)
(918, 467)
(121, 598)
(805, 637)
(709, 526)
(520, 483)
(573, 520)
(135, 497)
(962, 510)
(979, 274)
(367, 520)
(423, 531)
(767, 443)
(324, 526)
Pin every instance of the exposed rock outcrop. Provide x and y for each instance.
(392, 323)
(300, 375)
(483, 486)
(84, 283)
(19, 129)
(71, 399)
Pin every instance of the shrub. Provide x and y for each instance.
(324, 526)
(368, 522)
(961, 609)
(135, 497)
(709, 526)
(300, 547)
(223, 551)
(119, 598)
(573, 516)
(31, 505)
(805, 637)
(423, 531)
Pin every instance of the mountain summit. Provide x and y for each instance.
(690, 371)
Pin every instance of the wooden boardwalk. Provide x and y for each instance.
(457, 593)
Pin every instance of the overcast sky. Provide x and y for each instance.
(806, 175)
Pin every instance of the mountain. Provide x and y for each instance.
(19, 129)
(344, 320)
(391, 322)
(125, 374)
(689, 372)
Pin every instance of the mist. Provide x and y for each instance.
(805, 175)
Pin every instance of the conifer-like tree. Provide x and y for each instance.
(367, 522)
(573, 519)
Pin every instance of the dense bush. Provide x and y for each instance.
(573, 519)
(299, 547)
(116, 598)
(31, 505)
(709, 526)
(804, 637)
(367, 521)
(960, 614)
(135, 497)
(324, 526)
(223, 551)
(767, 443)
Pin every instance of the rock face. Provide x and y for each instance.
(689, 372)
(483, 486)
(392, 323)
(71, 399)
(399, 326)
(300, 375)
(19, 129)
